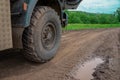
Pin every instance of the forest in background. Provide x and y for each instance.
(93, 18)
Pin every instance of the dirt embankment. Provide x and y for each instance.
(76, 48)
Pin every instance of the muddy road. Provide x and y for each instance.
(83, 55)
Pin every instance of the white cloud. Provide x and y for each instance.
(101, 6)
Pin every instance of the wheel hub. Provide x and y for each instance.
(48, 36)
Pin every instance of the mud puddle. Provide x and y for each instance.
(85, 71)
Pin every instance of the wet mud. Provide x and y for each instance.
(83, 55)
(84, 71)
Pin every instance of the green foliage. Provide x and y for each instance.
(92, 18)
(118, 14)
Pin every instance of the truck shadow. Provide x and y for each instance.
(12, 63)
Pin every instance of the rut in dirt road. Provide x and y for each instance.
(76, 48)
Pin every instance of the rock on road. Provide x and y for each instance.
(76, 47)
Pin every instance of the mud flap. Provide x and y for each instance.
(5, 25)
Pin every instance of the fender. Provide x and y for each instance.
(31, 6)
(23, 18)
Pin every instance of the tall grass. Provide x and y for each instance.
(90, 26)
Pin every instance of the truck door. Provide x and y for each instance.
(72, 4)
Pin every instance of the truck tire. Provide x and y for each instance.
(42, 38)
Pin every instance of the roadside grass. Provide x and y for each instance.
(90, 26)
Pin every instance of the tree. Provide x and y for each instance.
(93, 18)
(118, 14)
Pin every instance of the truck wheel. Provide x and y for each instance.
(42, 38)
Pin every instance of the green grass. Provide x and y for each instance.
(90, 26)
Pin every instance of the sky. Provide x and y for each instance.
(99, 6)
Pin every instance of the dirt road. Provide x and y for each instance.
(78, 52)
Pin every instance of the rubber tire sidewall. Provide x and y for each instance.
(49, 16)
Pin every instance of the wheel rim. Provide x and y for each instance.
(48, 36)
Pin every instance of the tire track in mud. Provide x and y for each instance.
(76, 47)
(109, 70)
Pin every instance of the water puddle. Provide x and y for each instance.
(85, 71)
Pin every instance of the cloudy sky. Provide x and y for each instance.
(99, 6)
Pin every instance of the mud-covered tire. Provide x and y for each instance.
(42, 38)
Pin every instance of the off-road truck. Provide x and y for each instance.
(34, 26)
